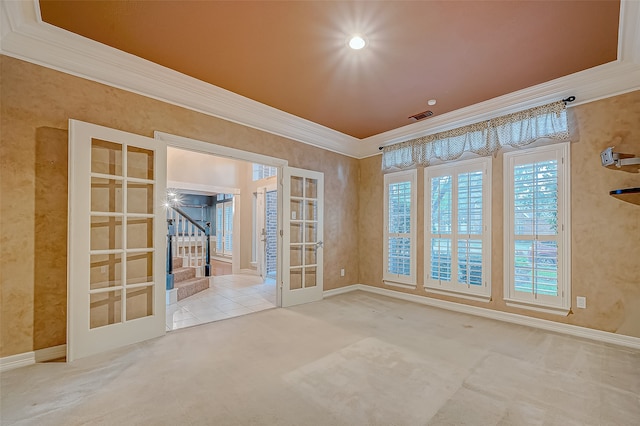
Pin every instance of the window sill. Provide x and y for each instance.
(538, 308)
(398, 284)
(451, 293)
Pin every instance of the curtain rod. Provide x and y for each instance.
(565, 100)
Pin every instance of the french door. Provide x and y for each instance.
(117, 230)
(303, 206)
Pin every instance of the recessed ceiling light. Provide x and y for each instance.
(431, 102)
(357, 42)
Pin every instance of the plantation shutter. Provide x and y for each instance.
(457, 230)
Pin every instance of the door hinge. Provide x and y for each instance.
(281, 233)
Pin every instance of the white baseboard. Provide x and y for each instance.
(249, 271)
(342, 290)
(16, 361)
(48, 354)
(172, 296)
(29, 358)
(571, 330)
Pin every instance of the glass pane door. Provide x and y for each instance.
(116, 240)
(303, 237)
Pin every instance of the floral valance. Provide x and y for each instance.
(484, 138)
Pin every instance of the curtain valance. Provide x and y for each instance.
(484, 138)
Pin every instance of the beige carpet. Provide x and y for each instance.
(354, 359)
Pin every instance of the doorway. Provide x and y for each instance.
(216, 194)
(119, 236)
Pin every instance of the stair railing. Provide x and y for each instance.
(189, 240)
(171, 232)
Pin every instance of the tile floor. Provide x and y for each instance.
(228, 296)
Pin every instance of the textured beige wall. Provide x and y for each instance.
(36, 104)
(605, 231)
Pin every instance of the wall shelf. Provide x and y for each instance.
(630, 195)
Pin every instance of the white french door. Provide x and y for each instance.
(303, 206)
(117, 231)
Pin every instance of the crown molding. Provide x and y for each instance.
(30, 39)
(23, 35)
(587, 86)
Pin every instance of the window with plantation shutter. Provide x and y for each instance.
(457, 228)
(400, 228)
(228, 227)
(536, 228)
(224, 224)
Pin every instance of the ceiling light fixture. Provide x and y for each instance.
(431, 102)
(357, 42)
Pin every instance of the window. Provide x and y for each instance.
(254, 234)
(260, 171)
(400, 228)
(457, 228)
(224, 224)
(536, 224)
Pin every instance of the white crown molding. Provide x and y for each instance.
(23, 35)
(32, 40)
(587, 86)
(629, 31)
(556, 327)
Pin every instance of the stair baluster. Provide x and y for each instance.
(192, 242)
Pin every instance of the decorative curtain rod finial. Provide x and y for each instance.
(569, 99)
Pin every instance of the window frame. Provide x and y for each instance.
(224, 234)
(388, 278)
(262, 171)
(453, 287)
(560, 304)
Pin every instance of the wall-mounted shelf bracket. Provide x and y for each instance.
(620, 161)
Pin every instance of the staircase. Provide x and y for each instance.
(185, 280)
(190, 241)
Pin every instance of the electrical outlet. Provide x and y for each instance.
(581, 302)
(342, 272)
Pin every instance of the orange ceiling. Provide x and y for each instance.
(293, 55)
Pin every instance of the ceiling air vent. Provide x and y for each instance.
(421, 115)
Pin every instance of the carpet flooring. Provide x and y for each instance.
(352, 359)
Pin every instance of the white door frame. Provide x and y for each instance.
(189, 144)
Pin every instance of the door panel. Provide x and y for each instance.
(303, 192)
(261, 232)
(116, 293)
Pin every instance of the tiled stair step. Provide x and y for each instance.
(183, 274)
(177, 262)
(192, 286)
